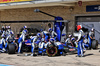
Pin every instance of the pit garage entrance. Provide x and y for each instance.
(17, 26)
(90, 22)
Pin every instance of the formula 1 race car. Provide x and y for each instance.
(59, 49)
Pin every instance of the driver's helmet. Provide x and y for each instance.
(38, 35)
(25, 27)
(50, 30)
(52, 40)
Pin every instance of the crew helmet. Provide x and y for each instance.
(70, 36)
(38, 34)
(25, 26)
(8, 27)
(52, 40)
(50, 30)
(79, 27)
(92, 29)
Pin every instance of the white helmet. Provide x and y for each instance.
(3, 26)
(49, 29)
(92, 29)
(70, 36)
(9, 27)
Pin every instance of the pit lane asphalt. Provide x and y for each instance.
(92, 58)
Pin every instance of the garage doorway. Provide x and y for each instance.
(16, 27)
(90, 22)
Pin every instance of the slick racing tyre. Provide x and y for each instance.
(51, 51)
(11, 49)
(94, 44)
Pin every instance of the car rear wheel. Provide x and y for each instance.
(95, 44)
(51, 51)
(11, 49)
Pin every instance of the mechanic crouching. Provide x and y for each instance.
(10, 40)
(22, 38)
(80, 41)
(68, 40)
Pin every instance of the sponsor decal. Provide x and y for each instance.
(91, 8)
(9, 1)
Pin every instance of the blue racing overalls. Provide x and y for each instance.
(53, 35)
(21, 39)
(90, 37)
(80, 43)
(32, 44)
(45, 35)
(2, 43)
(35, 40)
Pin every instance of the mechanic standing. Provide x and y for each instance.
(3, 31)
(37, 40)
(52, 34)
(45, 35)
(22, 38)
(33, 39)
(9, 32)
(91, 36)
(80, 41)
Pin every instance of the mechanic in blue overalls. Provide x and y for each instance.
(9, 32)
(2, 44)
(35, 40)
(91, 36)
(51, 41)
(22, 38)
(3, 31)
(11, 40)
(68, 40)
(80, 41)
(52, 34)
(45, 35)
